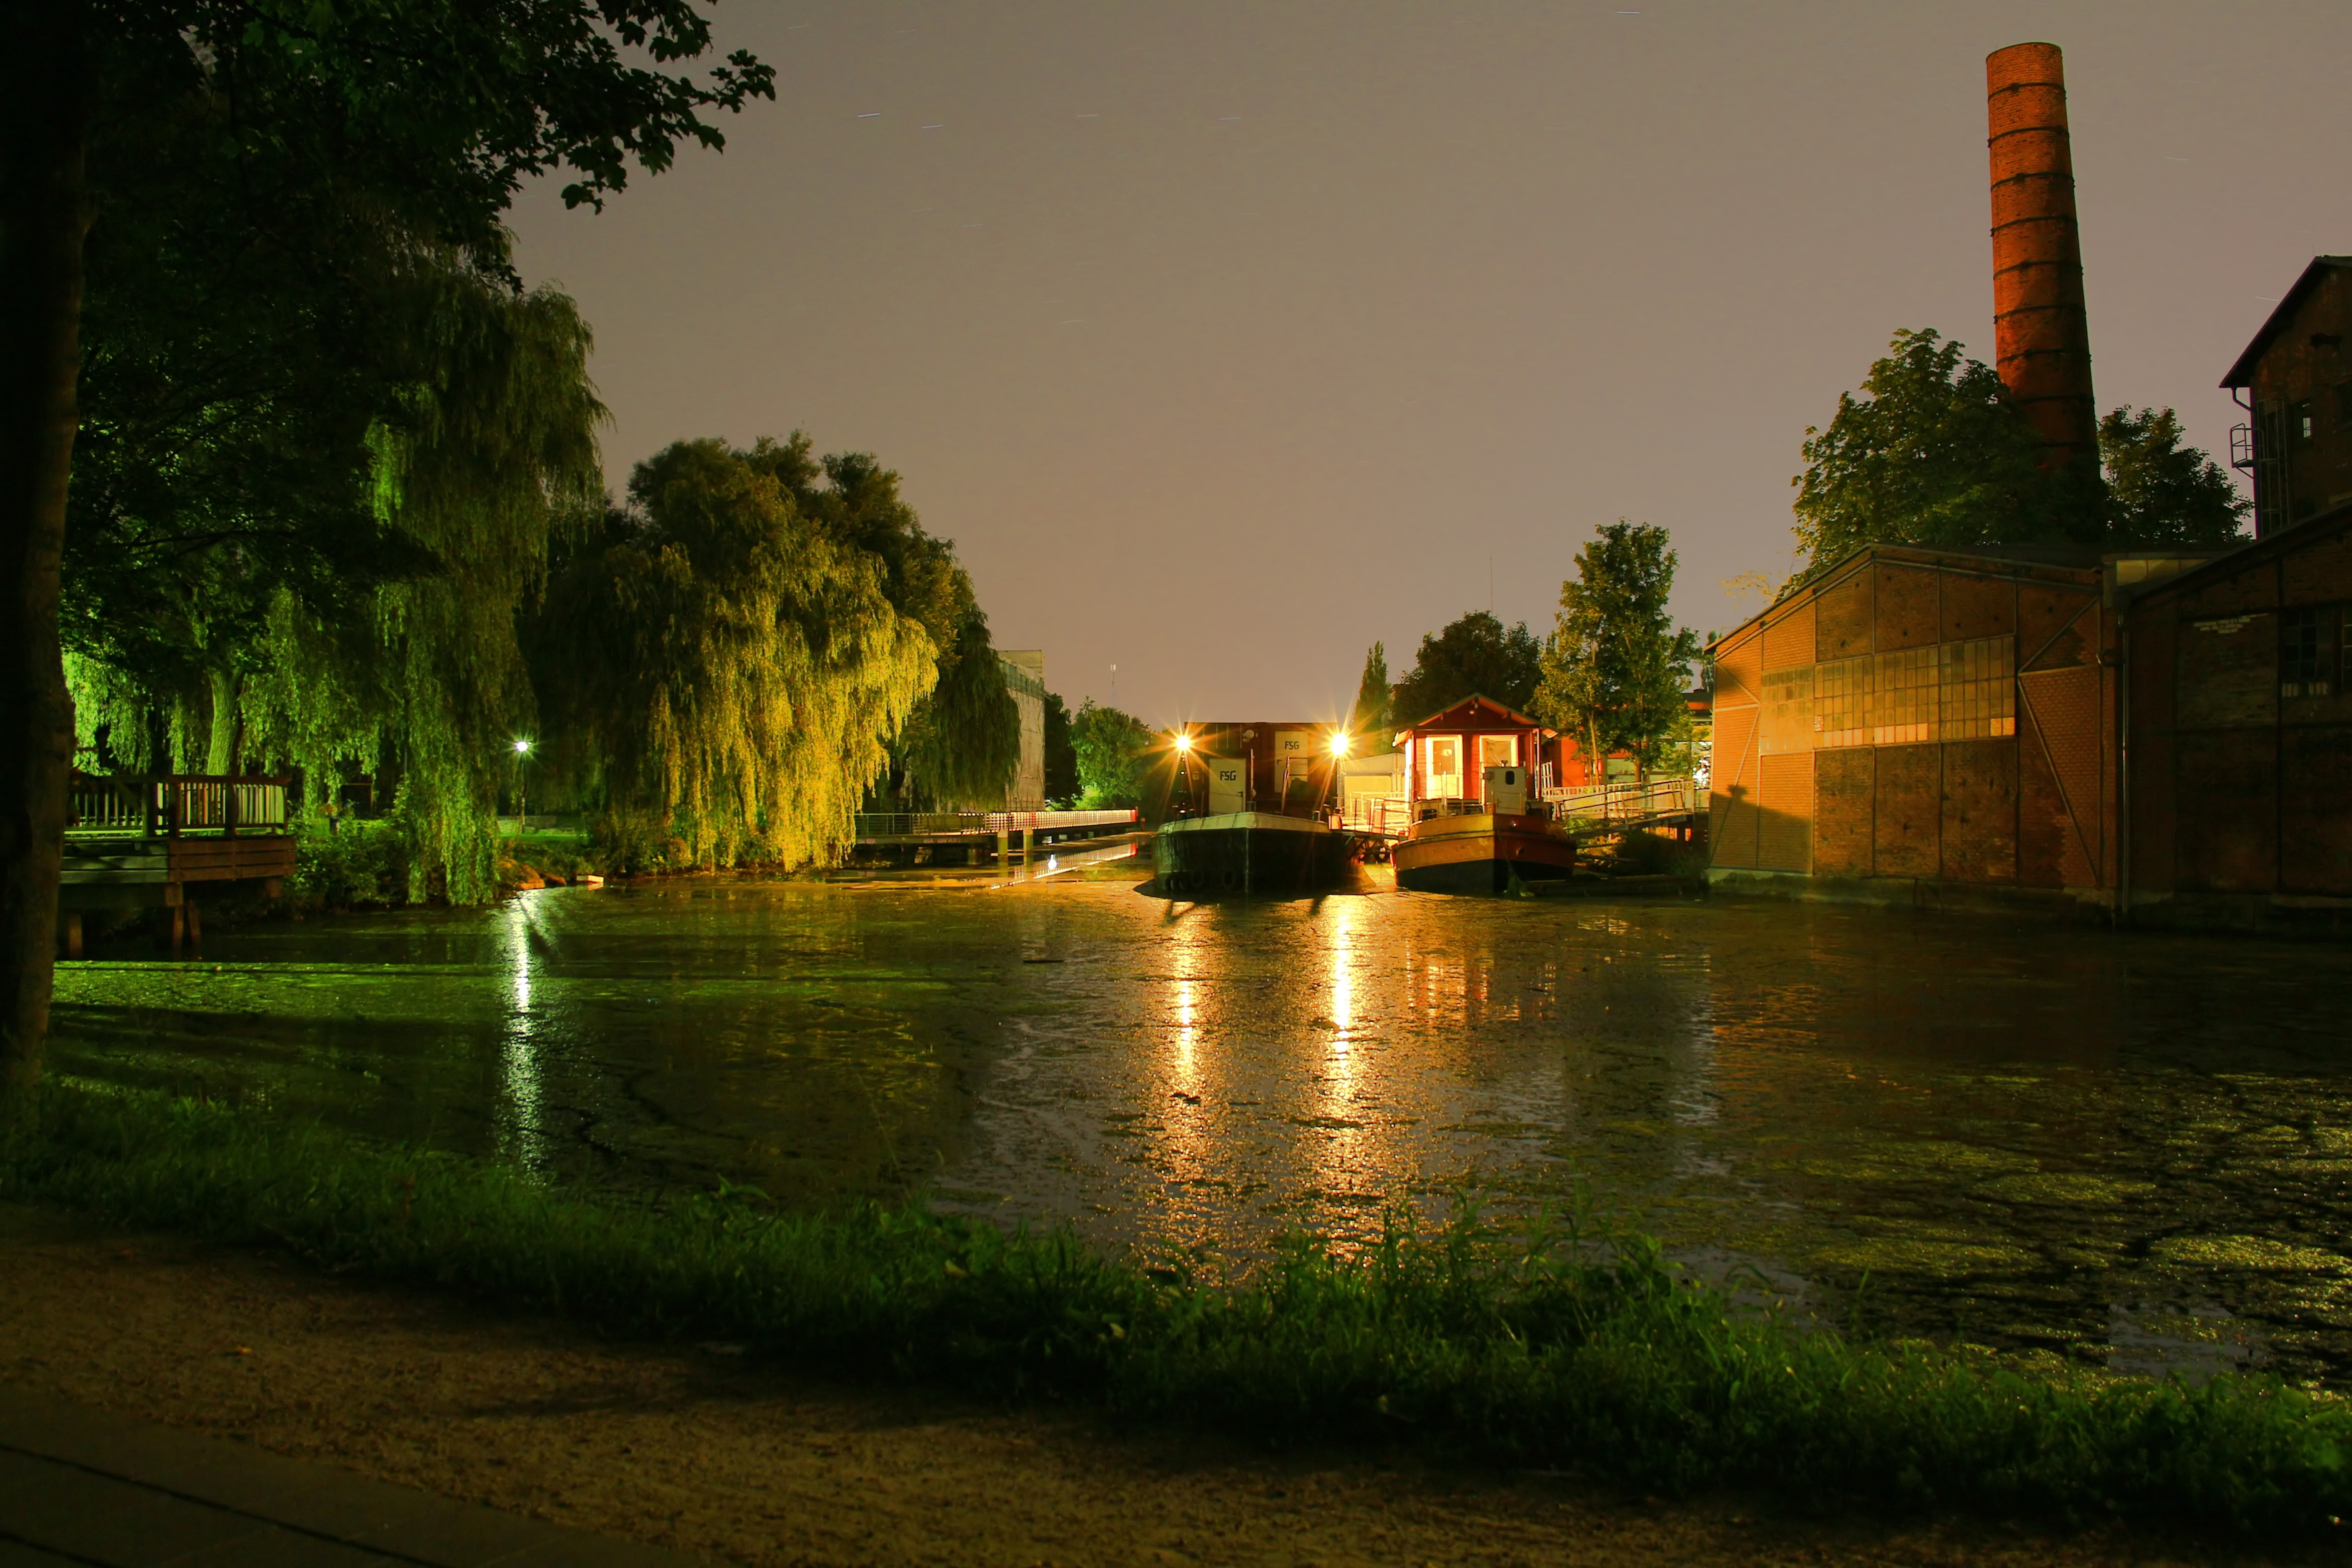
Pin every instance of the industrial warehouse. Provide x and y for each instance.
(2156, 737)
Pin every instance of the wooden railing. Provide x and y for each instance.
(171, 806)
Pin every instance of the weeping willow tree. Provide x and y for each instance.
(961, 743)
(724, 671)
(319, 563)
(474, 467)
(965, 741)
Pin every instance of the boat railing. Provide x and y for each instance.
(1385, 815)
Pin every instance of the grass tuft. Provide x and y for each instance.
(1575, 1347)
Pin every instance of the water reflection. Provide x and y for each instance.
(2136, 1150)
(521, 1135)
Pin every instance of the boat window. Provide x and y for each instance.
(1443, 766)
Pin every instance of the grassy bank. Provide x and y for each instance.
(1576, 1351)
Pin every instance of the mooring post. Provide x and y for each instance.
(1004, 846)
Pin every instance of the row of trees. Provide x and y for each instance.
(294, 471)
(1613, 672)
(271, 400)
(337, 502)
(1932, 452)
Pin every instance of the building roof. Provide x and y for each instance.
(2241, 374)
(1511, 716)
(2252, 553)
(2005, 560)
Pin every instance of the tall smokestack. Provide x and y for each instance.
(2041, 334)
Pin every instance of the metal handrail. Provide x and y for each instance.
(907, 824)
(1002, 821)
(1625, 802)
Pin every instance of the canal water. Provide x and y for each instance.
(2132, 1150)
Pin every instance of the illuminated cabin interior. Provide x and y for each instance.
(1448, 753)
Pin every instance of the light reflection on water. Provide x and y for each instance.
(522, 1138)
(2045, 1138)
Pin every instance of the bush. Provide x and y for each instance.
(351, 864)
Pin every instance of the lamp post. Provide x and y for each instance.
(522, 790)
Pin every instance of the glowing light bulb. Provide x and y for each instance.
(1339, 744)
(1183, 743)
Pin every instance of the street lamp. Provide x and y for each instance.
(1339, 744)
(522, 790)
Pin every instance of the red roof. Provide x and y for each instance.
(1476, 712)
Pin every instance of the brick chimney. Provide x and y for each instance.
(2040, 335)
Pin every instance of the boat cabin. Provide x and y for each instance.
(1447, 754)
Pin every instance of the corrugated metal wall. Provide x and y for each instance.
(2242, 777)
(1882, 726)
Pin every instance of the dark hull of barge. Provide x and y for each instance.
(1248, 854)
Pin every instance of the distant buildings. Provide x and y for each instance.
(2299, 375)
(1024, 679)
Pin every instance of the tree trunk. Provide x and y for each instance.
(45, 96)
(220, 738)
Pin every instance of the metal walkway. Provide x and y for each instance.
(1595, 812)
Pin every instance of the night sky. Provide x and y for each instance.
(1223, 339)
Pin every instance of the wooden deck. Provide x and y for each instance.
(148, 841)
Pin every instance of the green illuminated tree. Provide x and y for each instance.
(721, 670)
(961, 744)
(1934, 453)
(1475, 654)
(428, 112)
(2161, 492)
(1616, 667)
(476, 468)
(1113, 749)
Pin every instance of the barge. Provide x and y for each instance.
(1249, 811)
(1474, 776)
(1252, 853)
(1473, 850)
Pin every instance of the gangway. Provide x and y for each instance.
(1589, 812)
(1605, 810)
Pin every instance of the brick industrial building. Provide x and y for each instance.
(2163, 736)
(2160, 737)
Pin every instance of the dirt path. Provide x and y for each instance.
(692, 1449)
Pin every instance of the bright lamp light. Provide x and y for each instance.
(521, 746)
(1183, 743)
(1339, 744)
